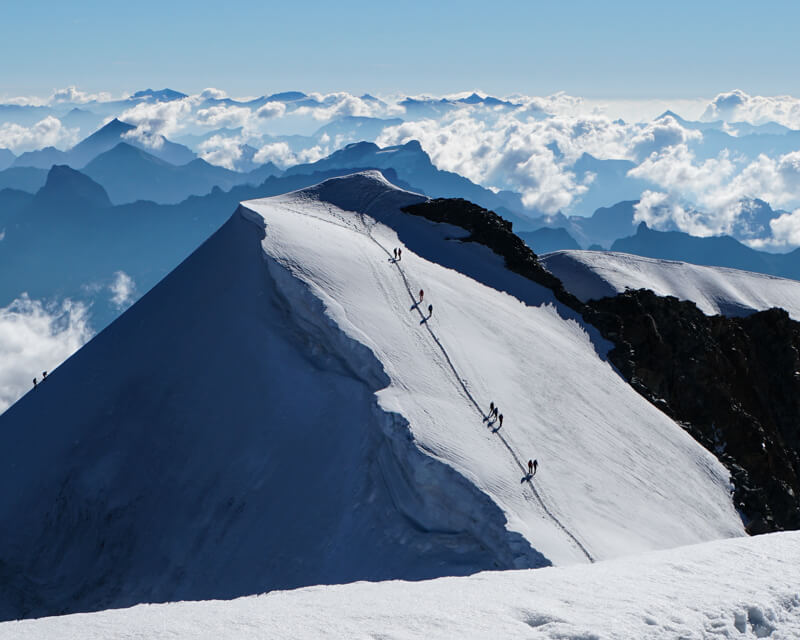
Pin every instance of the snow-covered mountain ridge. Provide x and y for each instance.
(281, 411)
(715, 290)
(742, 588)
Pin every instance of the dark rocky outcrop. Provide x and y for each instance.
(489, 229)
(732, 383)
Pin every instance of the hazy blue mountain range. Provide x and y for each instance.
(414, 166)
(129, 173)
(69, 240)
(608, 183)
(607, 224)
(546, 240)
(720, 251)
(101, 141)
(602, 228)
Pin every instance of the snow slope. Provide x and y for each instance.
(715, 290)
(743, 588)
(616, 475)
(278, 412)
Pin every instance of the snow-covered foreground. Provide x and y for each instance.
(281, 412)
(743, 588)
(715, 290)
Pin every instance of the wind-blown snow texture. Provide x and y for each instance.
(278, 412)
(744, 588)
(715, 290)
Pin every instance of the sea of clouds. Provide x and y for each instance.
(527, 144)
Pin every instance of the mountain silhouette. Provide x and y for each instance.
(71, 223)
(162, 95)
(102, 140)
(41, 158)
(129, 173)
(717, 251)
(608, 183)
(117, 131)
(547, 240)
(67, 187)
(414, 166)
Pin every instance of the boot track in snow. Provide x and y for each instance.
(367, 231)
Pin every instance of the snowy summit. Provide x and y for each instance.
(283, 410)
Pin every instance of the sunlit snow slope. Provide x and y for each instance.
(278, 412)
(743, 588)
(715, 290)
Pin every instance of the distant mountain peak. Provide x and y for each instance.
(286, 96)
(65, 184)
(162, 95)
(114, 127)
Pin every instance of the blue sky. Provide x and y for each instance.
(619, 49)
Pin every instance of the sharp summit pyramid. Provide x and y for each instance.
(283, 410)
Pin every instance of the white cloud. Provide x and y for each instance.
(157, 119)
(123, 290)
(74, 95)
(35, 337)
(738, 106)
(662, 211)
(271, 110)
(221, 151)
(49, 132)
(656, 136)
(213, 94)
(281, 154)
(786, 228)
(532, 155)
(719, 185)
(341, 104)
(224, 116)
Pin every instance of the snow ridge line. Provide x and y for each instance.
(485, 416)
(367, 231)
(462, 383)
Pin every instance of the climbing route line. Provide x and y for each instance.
(367, 231)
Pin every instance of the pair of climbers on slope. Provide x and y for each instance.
(44, 377)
